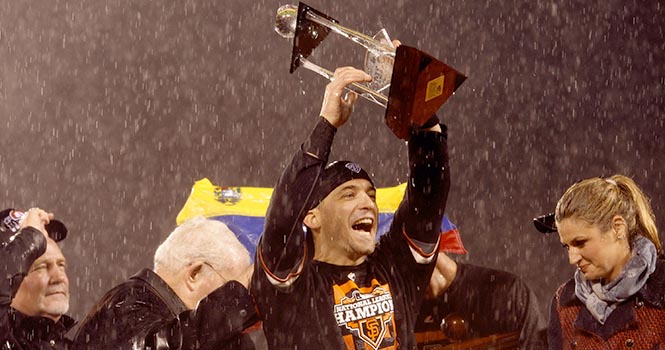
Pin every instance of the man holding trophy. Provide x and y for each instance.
(321, 280)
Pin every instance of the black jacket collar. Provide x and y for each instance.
(169, 297)
(40, 328)
(650, 295)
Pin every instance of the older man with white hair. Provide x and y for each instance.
(195, 298)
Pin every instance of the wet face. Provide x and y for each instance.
(597, 254)
(45, 290)
(348, 219)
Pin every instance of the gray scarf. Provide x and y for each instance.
(600, 299)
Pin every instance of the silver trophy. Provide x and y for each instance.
(409, 83)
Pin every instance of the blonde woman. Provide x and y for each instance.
(616, 299)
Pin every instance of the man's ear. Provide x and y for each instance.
(193, 275)
(312, 219)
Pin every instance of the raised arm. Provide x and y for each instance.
(19, 252)
(419, 215)
(16, 257)
(282, 248)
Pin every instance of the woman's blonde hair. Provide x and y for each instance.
(597, 200)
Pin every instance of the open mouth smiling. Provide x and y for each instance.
(364, 224)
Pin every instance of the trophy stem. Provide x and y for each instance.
(364, 91)
(368, 42)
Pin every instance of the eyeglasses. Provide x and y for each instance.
(216, 271)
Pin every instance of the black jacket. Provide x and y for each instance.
(490, 302)
(145, 313)
(19, 331)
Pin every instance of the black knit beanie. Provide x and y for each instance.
(333, 175)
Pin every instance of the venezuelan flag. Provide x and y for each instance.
(243, 210)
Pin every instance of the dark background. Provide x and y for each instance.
(110, 110)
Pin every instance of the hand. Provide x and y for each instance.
(219, 317)
(436, 128)
(36, 218)
(442, 277)
(432, 124)
(336, 108)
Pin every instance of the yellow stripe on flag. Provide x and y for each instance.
(209, 200)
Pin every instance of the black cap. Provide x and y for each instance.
(545, 223)
(333, 175)
(9, 225)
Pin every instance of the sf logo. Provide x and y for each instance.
(372, 328)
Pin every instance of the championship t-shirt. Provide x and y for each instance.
(371, 306)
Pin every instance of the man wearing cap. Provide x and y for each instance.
(34, 289)
(321, 280)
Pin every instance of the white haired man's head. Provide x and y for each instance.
(198, 257)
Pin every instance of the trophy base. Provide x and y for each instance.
(420, 85)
